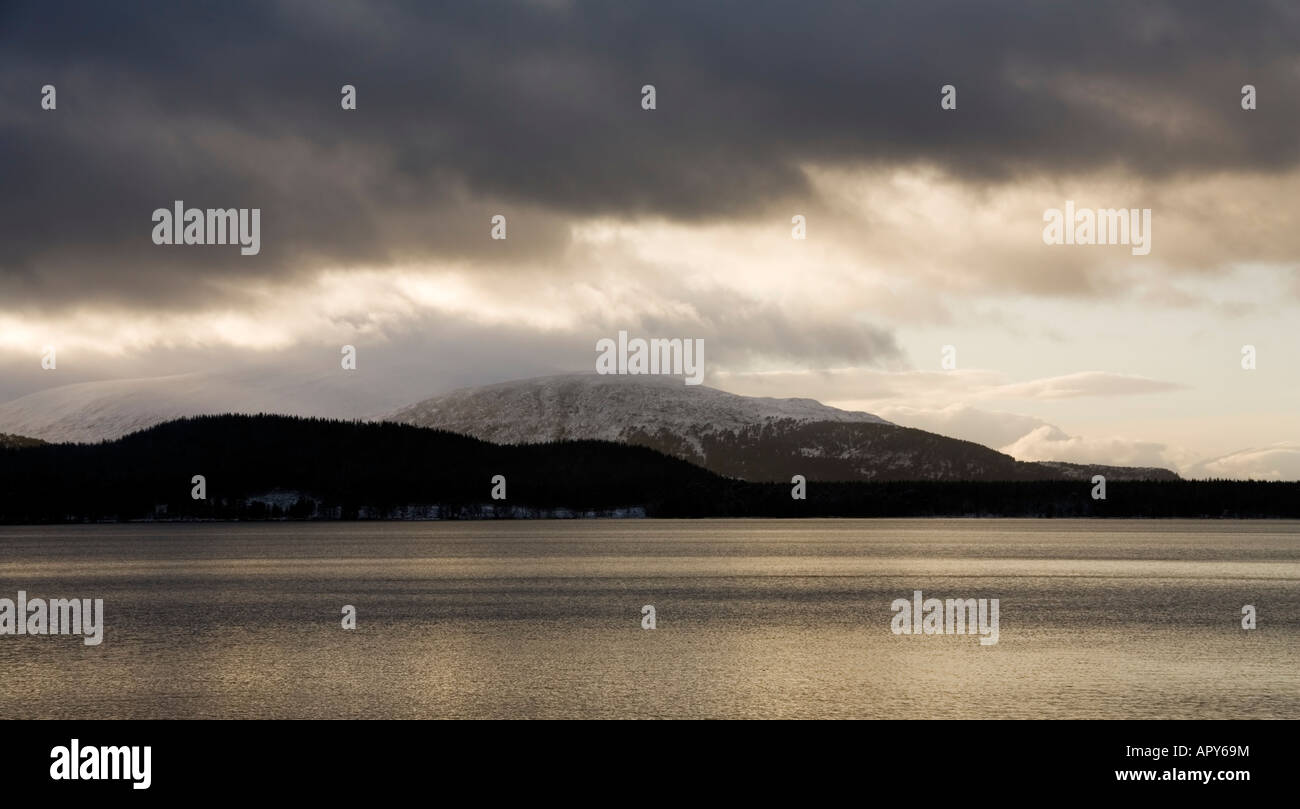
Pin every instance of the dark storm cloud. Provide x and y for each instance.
(532, 110)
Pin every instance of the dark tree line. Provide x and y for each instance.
(348, 469)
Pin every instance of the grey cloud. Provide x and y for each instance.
(988, 427)
(1276, 462)
(1049, 443)
(533, 109)
(1084, 383)
(395, 367)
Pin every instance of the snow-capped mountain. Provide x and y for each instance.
(610, 408)
(739, 436)
(762, 439)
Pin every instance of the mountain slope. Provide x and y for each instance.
(744, 437)
(88, 412)
(610, 408)
(18, 441)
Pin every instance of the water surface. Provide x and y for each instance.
(756, 618)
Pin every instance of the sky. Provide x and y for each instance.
(923, 224)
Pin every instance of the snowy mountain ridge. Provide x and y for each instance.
(610, 408)
(750, 438)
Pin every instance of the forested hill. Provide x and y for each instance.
(276, 466)
(335, 468)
